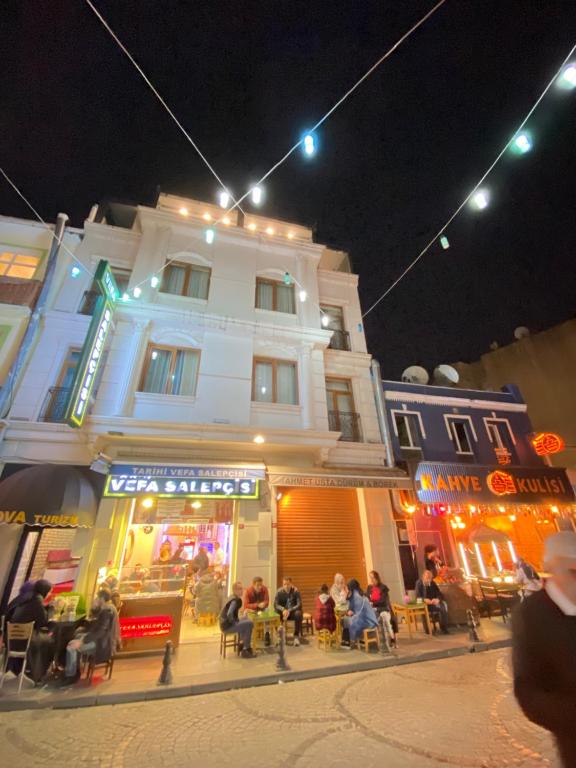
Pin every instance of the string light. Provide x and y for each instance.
(259, 439)
(154, 281)
(223, 198)
(480, 199)
(309, 144)
(325, 321)
(256, 195)
(522, 143)
(137, 292)
(226, 221)
(206, 216)
(209, 236)
(567, 79)
(125, 297)
(183, 211)
(269, 230)
(302, 295)
(252, 226)
(75, 271)
(444, 242)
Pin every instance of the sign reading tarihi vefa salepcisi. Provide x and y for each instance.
(93, 348)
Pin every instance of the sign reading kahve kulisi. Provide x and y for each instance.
(93, 347)
(173, 482)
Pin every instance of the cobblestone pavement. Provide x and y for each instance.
(453, 712)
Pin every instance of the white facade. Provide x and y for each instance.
(220, 420)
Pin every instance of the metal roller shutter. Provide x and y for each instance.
(319, 535)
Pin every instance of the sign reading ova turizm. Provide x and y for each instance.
(178, 481)
(93, 347)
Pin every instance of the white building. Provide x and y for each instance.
(243, 357)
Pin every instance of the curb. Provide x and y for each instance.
(219, 686)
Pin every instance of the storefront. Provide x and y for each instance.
(456, 507)
(42, 508)
(175, 547)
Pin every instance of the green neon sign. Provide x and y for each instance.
(93, 347)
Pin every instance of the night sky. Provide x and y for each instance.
(246, 78)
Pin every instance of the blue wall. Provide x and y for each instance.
(436, 402)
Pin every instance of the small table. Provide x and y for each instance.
(411, 612)
(264, 621)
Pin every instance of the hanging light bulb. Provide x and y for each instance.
(302, 295)
(209, 236)
(567, 78)
(480, 199)
(257, 193)
(154, 281)
(223, 198)
(309, 144)
(125, 297)
(522, 143)
(75, 271)
(325, 321)
(137, 292)
(287, 278)
(444, 242)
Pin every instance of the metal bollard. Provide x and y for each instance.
(472, 633)
(166, 673)
(281, 663)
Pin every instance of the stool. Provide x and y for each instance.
(307, 624)
(228, 641)
(206, 619)
(324, 639)
(369, 637)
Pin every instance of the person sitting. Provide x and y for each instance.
(257, 597)
(428, 591)
(147, 585)
(324, 616)
(288, 604)
(28, 607)
(99, 638)
(379, 595)
(207, 596)
(231, 623)
(360, 614)
(200, 563)
(339, 593)
(528, 578)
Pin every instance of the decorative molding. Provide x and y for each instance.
(453, 402)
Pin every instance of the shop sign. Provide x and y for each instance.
(93, 347)
(185, 472)
(457, 483)
(20, 517)
(145, 626)
(546, 443)
(332, 481)
(169, 487)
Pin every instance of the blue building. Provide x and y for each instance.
(482, 493)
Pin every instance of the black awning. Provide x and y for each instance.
(49, 495)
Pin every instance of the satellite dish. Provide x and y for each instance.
(415, 374)
(446, 376)
(494, 346)
(521, 332)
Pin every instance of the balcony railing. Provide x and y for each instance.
(340, 340)
(347, 423)
(88, 303)
(55, 404)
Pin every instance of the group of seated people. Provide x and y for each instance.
(97, 636)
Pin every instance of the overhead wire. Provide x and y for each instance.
(474, 189)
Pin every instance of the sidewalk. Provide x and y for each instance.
(197, 668)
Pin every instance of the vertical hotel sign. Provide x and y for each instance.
(93, 348)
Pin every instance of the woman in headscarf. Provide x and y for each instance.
(26, 608)
(360, 614)
(339, 593)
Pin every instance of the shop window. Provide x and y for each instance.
(275, 296)
(408, 430)
(170, 371)
(186, 280)
(275, 381)
(460, 434)
(18, 264)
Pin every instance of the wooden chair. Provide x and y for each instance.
(229, 640)
(20, 633)
(307, 624)
(90, 664)
(325, 639)
(369, 637)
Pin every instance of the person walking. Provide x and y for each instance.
(544, 648)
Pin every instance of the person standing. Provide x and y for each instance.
(288, 604)
(544, 648)
(428, 591)
(379, 595)
(432, 560)
(231, 623)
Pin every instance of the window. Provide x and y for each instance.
(66, 378)
(275, 296)
(186, 280)
(90, 297)
(275, 381)
(341, 416)
(459, 432)
(408, 430)
(502, 439)
(334, 317)
(170, 371)
(57, 399)
(18, 264)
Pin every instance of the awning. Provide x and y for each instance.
(49, 495)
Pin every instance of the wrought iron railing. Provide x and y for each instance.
(340, 340)
(55, 404)
(347, 423)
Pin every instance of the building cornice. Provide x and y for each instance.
(453, 402)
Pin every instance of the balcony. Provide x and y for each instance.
(15, 290)
(340, 340)
(347, 423)
(55, 404)
(88, 303)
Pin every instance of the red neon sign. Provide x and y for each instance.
(500, 483)
(547, 442)
(145, 626)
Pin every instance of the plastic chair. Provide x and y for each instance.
(18, 633)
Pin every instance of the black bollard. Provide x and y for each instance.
(166, 673)
(281, 663)
(472, 633)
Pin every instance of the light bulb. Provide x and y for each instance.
(196, 504)
(137, 292)
(259, 439)
(257, 193)
(252, 226)
(183, 211)
(325, 321)
(522, 143)
(568, 77)
(226, 221)
(75, 271)
(206, 217)
(309, 145)
(223, 199)
(125, 297)
(269, 230)
(154, 281)
(480, 199)
(147, 503)
(444, 242)
(209, 236)
(290, 235)
(302, 296)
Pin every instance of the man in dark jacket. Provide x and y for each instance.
(231, 623)
(428, 591)
(288, 604)
(544, 648)
(101, 639)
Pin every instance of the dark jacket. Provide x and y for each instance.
(324, 616)
(229, 614)
(287, 600)
(27, 607)
(544, 664)
(252, 599)
(428, 591)
(104, 630)
(383, 603)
